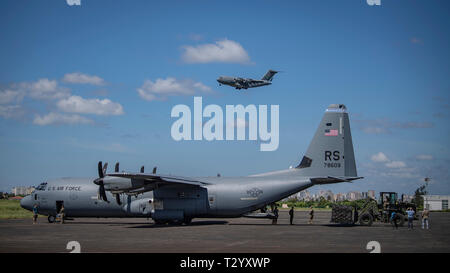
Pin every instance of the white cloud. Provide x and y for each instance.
(396, 164)
(81, 78)
(424, 157)
(76, 104)
(45, 89)
(161, 88)
(224, 51)
(380, 157)
(11, 111)
(58, 118)
(8, 96)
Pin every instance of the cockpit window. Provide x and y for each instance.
(41, 186)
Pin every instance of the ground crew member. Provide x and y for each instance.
(394, 220)
(61, 214)
(291, 214)
(311, 215)
(35, 213)
(410, 213)
(275, 213)
(425, 215)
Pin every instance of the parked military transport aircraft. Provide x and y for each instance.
(240, 83)
(166, 198)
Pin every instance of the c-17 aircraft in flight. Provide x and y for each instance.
(173, 199)
(242, 83)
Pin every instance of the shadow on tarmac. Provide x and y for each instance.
(196, 223)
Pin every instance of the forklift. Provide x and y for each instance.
(381, 211)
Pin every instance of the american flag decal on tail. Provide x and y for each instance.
(329, 132)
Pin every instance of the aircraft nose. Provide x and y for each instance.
(26, 202)
(220, 79)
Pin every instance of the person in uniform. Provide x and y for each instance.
(311, 215)
(291, 215)
(275, 213)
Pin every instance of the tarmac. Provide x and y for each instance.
(235, 235)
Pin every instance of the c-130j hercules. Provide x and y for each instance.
(173, 199)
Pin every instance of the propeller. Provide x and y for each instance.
(99, 181)
(116, 168)
(142, 169)
(154, 170)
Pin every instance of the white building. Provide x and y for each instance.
(436, 202)
(22, 190)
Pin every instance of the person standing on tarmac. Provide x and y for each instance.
(410, 212)
(425, 215)
(61, 213)
(291, 215)
(311, 215)
(275, 213)
(35, 213)
(394, 220)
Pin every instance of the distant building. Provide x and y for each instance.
(408, 198)
(339, 197)
(22, 190)
(371, 194)
(354, 195)
(436, 202)
(364, 195)
(304, 195)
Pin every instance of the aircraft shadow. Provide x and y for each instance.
(195, 223)
(294, 225)
(102, 223)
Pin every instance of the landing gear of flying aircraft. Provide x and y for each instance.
(51, 219)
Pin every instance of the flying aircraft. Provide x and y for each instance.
(174, 199)
(241, 83)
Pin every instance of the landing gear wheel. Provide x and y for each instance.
(160, 222)
(187, 221)
(365, 219)
(51, 219)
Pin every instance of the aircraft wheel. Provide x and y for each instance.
(187, 221)
(51, 219)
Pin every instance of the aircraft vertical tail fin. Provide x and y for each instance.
(269, 75)
(330, 154)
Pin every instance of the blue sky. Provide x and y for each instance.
(70, 75)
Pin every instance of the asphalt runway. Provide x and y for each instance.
(236, 235)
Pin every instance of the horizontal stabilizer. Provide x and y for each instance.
(331, 179)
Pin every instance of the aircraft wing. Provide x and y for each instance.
(252, 81)
(247, 81)
(159, 179)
